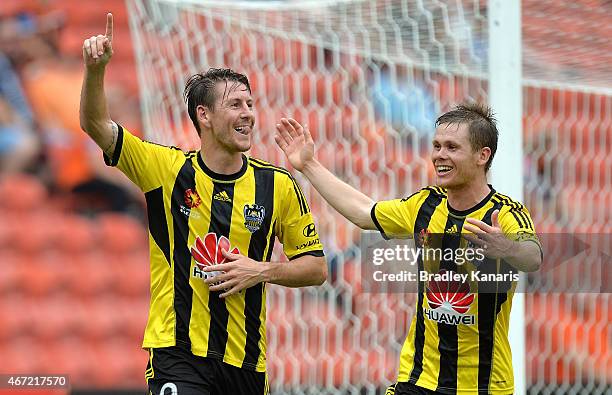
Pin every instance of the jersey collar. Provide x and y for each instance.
(478, 206)
(223, 177)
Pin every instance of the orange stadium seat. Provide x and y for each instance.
(11, 8)
(93, 12)
(36, 234)
(17, 355)
(90, 275)
(43, 274)
(102, 322)
(22, 193)
(578, 332)
(298, 366)
(351, 276)
(289, 54)
(120, 234)
(56, 318)
(122, 73)
(72, 356)
(36, 392)
(77, 235)
(11, 278)
(592, 169)
(134, 313)
(133, 275)
(6, 228)
(267, 85)
(119, 361)
(590, 207)
(315, 89)
(84, 22)
(19, 315)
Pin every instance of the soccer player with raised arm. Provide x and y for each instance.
(456, 344)
(213, 217)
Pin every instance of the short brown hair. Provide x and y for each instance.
(200, 90)
(482, 125)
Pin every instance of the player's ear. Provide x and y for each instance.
(483, 155)
(203, 114)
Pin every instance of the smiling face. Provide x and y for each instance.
(457, 165)
(230, 122)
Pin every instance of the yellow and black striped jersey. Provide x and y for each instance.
(186, 200)
(458, 339)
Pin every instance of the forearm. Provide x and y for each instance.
(526, 256)
(93, 113)
(348, 201)
(301, 272)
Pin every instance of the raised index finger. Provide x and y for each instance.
(109, 26)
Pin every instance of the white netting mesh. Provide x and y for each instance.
(369, 78)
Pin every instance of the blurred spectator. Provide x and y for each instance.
(402, 102)
(53, 84)
(19, 145)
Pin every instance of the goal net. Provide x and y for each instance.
(370, 78)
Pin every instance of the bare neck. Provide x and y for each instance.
(468, 196)
(219, 160)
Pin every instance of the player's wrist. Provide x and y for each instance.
(311, 166)
(510, 250)
(267, 272)
(95, 71)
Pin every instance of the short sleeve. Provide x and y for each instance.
(296, 228)
(144, 163)
(516, 223)
(394, 219)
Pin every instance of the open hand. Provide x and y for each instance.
(489, 237)
(295, 141)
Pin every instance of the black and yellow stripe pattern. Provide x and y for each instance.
(440, 355)
(150, 372)
(185, 200)
(390, 390)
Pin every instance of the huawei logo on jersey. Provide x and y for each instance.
(449, 300)
(192, 199)
(207, 252)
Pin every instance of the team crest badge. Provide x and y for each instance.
(253, 216)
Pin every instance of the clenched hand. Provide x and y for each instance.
(98, 50)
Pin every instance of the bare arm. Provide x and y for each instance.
(297, 143)
(243, 272)
(93, 112)
(300, 272)
(525, 256)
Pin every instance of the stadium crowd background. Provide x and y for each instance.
(73, 253)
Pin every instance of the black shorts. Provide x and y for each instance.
(176, 371)
(402, 388)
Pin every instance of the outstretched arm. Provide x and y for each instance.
(93, 113)
(298, 145)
